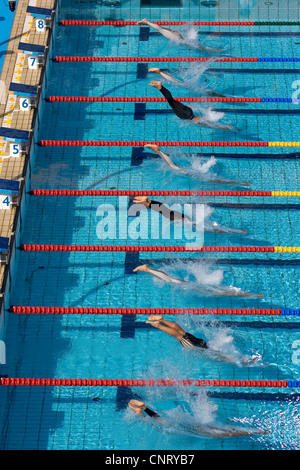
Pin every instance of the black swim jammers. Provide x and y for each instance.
(182, 111)
(165, 211)
(190, 341)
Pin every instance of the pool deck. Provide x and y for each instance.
(23, 29)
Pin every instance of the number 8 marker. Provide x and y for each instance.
(40, 25)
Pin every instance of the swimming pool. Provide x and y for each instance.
(124, 346)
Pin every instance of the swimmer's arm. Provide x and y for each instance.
(224, 181)
(203, 122)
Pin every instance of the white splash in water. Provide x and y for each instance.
(195, 77)
(210, 115)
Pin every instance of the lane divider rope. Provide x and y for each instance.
(163, 248)
(172, 23)
(147, 99)
(174, 143)
(28, 310)
(106, 192)
(16, 381)
(172, 59)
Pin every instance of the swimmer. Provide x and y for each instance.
(176, 36)
(212, 227)
(159, 274)
(169, 78)
(186, 113)
(217, 291)
(208, 430)
(166, 158)
(189, 341)
(161, 208)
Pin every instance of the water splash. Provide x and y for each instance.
(197, 77)
(194, 414)
(201, 279)
(199, 169)
(191, 40)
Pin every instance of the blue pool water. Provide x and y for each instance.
(90, 346)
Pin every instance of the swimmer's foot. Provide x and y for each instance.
(141, 200)
(137, 406)
(144, 21)
(154, 147)
(156, 84)
(144, 267)
(154, 70)
(154, 320)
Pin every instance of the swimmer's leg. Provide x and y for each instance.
(164, 31)
(182, 111)
(172, 324)
(154, 70)
(143, 267)
(171, 330)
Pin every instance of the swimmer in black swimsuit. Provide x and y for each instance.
(173, 329)
(161, 208)
(186, 113)
(212, 227)
(208, 430)
(190, 341)
(166, 158)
